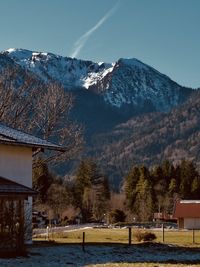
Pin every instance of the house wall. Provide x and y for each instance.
(192, 223)
(16, 164)
(180, 223)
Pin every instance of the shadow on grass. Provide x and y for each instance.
(8, 254)
(145, 252)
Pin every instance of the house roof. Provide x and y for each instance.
(11, 188)
(187, 209)
(10, 136)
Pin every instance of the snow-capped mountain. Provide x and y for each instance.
(110, 102)
(133, 82)
(70, 72)
(125, 83)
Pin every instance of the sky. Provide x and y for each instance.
(161, 33)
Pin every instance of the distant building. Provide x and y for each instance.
(187, 213)
(163, 216)
(16, 152)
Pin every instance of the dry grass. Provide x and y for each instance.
(183, 238)
(91, 236)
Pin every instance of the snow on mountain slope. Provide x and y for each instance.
(70, 72)
(135, 83)
(128, 82)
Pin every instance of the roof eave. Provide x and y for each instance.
(14, 143)
(18, 194)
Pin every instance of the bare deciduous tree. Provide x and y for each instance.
(41, 109)
(17, 97)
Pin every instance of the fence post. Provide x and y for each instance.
(129, 236)
(193, 237)
(163, 233)
(83, 243)
(47, 232)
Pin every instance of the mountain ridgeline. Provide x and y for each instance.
(132, 114)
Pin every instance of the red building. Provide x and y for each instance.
(187, 213)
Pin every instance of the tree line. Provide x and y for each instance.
(89, 196)
(155, 190)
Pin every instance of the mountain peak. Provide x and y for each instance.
(25, 54)
(133, 62)
(18, 53)
(127, 82)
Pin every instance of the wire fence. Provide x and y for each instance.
(124, 235)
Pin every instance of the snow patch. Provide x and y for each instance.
(94, 77)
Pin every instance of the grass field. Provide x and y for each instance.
(178, 250)
(117, 235)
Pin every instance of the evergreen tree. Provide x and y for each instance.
(167, 168)
(130, 184)
(195, 188)
(143, 203)
(101, 197)
(168, 171)
(188, 173)
(81, 187)
(157, 174)
(91, 191)
(173, 186)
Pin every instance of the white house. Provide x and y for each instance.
(16, 150)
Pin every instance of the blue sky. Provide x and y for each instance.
(162, 33)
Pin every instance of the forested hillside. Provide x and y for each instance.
(149, 139)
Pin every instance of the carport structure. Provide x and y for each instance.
(13, 198)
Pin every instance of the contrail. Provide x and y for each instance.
(80, 43)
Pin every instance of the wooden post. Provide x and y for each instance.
(193, 236)
(2, 215)
(83, 243)
(47, 233)
(20, 226)
(163, 233)
(129, 236)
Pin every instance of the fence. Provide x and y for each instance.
(124, 235)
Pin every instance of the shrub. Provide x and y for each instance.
(145, 236)
(64, 222)
(117, 216)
